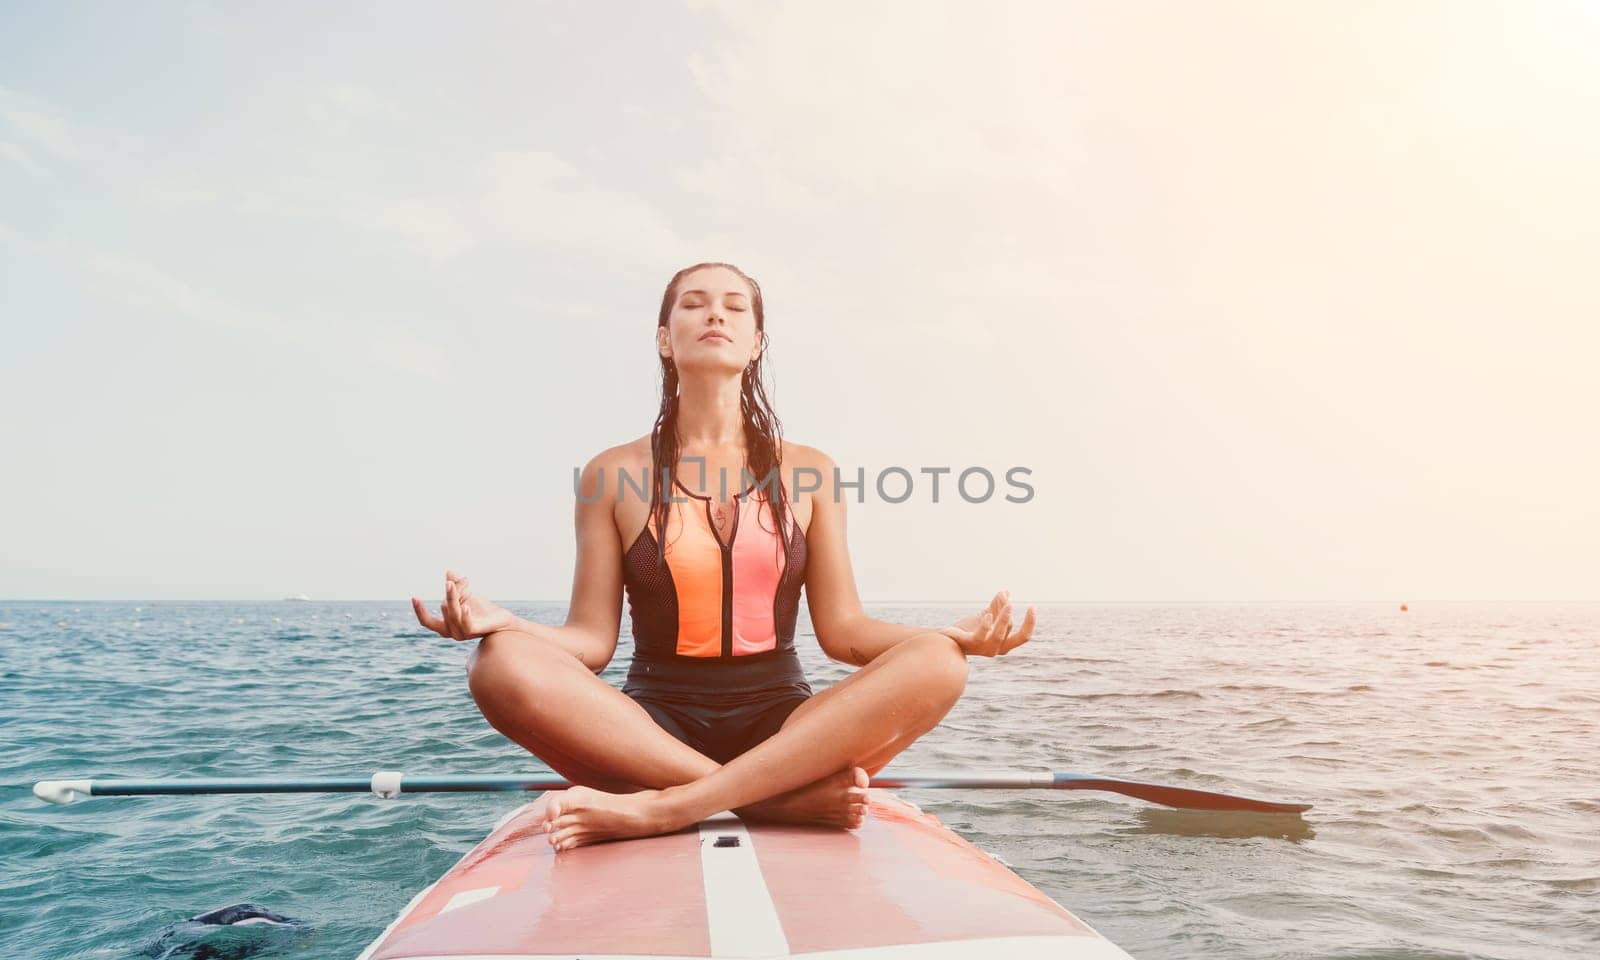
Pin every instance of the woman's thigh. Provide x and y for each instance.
(583, 727)
(906, 655)
(827, 693)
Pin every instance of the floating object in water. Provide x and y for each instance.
(234, 932)
(1404, 608)
(901, 886)
(242, 914)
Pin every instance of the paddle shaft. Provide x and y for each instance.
(391, 783)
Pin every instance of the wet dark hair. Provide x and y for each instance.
(763, 434)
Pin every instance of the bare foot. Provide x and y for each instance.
(839, 800)
(579, 815)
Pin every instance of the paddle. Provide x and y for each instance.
(387, 784)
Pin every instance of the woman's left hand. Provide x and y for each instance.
(463, 615)
(989, 634)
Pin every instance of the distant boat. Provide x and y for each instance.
(298, 596)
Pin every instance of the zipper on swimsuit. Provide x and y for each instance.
(727, 571)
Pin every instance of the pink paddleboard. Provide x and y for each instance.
(903, 886)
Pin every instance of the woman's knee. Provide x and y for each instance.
(941, 662)
(509, 662)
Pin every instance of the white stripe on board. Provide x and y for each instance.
(739, 912)
(466, 897)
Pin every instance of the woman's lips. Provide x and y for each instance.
(716, 336)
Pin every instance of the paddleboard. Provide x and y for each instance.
(901, 887)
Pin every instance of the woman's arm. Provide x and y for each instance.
(844, 630)
(594, 615)
(864, 638)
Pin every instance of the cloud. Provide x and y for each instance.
(886, 99)
(169, 195)
(34, 125)
(17, 155)
(147, 284)
(948, 152)
(334, 339)
(439, 229)
(506, 200)
(540, 198)
(341, 107)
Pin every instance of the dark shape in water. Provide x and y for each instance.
(245, 913)
(228, 933)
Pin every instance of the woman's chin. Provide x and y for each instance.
(713, 366)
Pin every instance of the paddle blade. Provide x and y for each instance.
(1183, 798)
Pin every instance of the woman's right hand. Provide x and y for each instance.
(466, 616)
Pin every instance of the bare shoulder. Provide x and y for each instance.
(796, 455)
(811, 471)
(634, 454)
(631, 457)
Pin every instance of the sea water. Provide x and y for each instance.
(1452, 753)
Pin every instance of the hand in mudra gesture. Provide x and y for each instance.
(466, 616)
(989, 633)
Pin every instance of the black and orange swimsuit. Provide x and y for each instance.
(714, 661)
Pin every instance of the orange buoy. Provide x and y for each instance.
(1404, 608)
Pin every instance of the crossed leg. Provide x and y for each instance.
(862, 721)
(584, 728)
(594, 735)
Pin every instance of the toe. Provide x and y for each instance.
(574, 839)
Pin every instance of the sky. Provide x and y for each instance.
(1275, 302)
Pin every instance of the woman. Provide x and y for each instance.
(716, 713)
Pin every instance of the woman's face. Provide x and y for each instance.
(712, 326)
